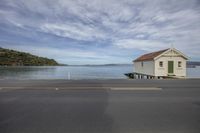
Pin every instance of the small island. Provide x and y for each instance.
(15, 58)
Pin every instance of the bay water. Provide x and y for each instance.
(74, 72)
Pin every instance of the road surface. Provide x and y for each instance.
(100, 106)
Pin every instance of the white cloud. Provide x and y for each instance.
(76, 31)
(147, 45)
(129, 24)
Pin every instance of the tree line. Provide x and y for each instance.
(15, 58)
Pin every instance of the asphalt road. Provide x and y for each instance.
(96, 106)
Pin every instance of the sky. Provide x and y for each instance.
(100, 31)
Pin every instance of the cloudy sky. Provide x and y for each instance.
(99, 31)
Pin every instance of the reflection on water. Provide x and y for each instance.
(27, 72)
(74, 72)
(64, 72)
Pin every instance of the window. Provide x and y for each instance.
(161, 63)
(142, 64)
(179, 64)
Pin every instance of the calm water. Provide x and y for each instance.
(75, 72)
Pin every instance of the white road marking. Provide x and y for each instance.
(86, 87)
(137, 88)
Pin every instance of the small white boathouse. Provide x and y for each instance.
(164, 63)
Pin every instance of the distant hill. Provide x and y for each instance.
(15, 58)
(193, 63)
(196, 63)
(94, 65)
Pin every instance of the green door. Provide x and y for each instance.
(170, 67)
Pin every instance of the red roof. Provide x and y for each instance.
(150, 56)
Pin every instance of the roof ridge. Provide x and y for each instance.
(150, 56)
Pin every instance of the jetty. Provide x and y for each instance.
(135, 75)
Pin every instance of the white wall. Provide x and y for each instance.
(148, 67)
(163, 71)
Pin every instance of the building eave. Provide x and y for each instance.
(183, 55)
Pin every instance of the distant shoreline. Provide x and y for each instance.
(102, 65)
(67, 65)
